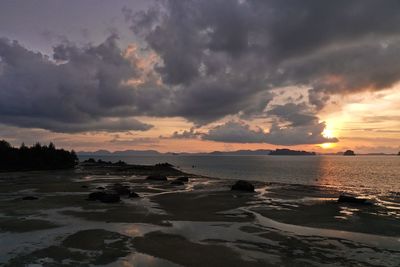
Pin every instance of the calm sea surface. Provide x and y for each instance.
(369, 172)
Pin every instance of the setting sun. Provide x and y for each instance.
(327, 145)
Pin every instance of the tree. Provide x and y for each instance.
(36, 157)
(52, 146)
(349, 153)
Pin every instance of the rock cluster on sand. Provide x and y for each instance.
(243, 186)
(121, 189)
(113, 193)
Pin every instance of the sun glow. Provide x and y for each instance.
(327, 145)
(328, 133)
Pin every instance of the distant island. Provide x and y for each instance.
(258, 152)
(36, 157)
(289, 152)
(156, 153)
(244, 152)
(349, 153)
(103, 152)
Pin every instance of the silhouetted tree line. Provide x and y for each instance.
(36, 157)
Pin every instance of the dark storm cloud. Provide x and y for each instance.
(223, 54)
(295, 114)
(239, 132)
(217, 58)
(251, 46)
(82, 92)
(235, 132)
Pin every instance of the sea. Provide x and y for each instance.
(347, 173)
(292, 220)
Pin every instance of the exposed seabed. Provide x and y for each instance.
(200, 223)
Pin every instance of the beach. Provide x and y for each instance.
(199, 223)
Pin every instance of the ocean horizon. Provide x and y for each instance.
(379, 173)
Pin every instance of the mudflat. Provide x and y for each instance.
(46, 219)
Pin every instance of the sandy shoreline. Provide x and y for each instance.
(199, 223)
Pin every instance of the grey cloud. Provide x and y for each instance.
(239, 132)
(308, 134)
(104, 124)
(295, 114)
(218, 58)
(186, 134)
(235, 49)
(81, 92)
(235, 132)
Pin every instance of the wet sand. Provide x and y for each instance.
(200, 223)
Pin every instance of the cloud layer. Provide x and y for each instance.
(79, 90)
(206, 61)
(239, 132)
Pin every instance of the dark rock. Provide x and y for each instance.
(104, 197)
(121, 189)
(84, 186)
(243, 186)
(100, 188)
(157, 178)
(30, 198)
(96, 195)
(177, 182)
(110, 198)
(182, 179)
(133, 195)
(353, 200)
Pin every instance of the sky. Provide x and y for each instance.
(198, 76)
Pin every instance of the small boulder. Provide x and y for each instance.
(133, 195)
(110, 198)
(121, 189)
(177, 182)
(30, 198)
(84, 186)
(100, 188)
(353, 200)
(157, 178)
(184, 179)
(243, 186)
(96, 195)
